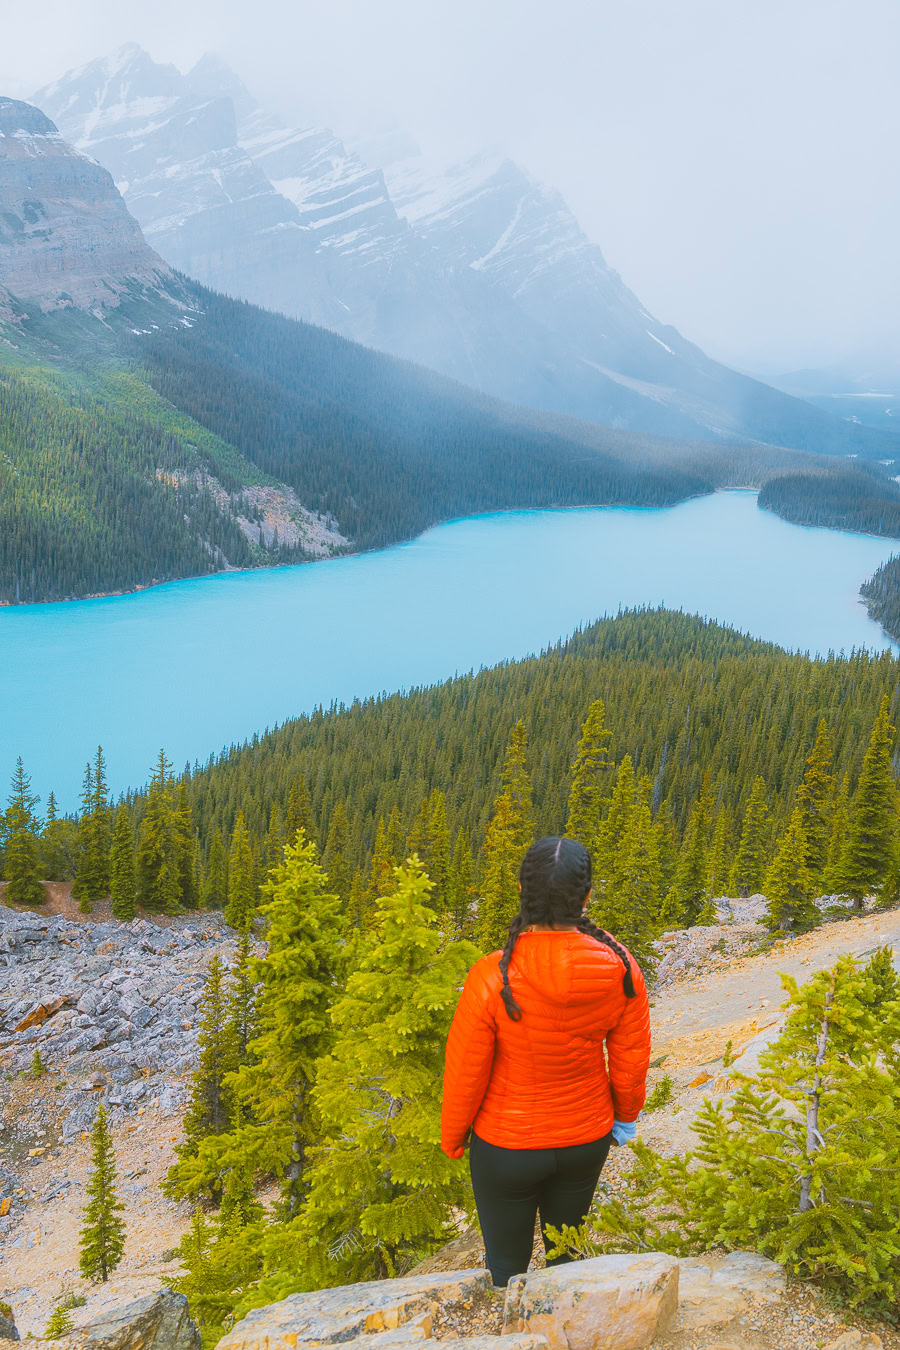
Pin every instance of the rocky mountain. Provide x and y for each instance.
(66, 238)
(478, 271)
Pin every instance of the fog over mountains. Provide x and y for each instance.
(477, 271)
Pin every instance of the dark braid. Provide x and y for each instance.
(555, 877)
(586, 926)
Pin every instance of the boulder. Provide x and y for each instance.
(8, 1331)
(353, 1311)
(714, 1289)
(606, 1303)
(158, 1322)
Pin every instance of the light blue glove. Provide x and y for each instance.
(624, 1130)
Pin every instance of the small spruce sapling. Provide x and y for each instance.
(102, 1240)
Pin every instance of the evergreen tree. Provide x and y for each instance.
(209, 1109)
(750, 863)
(429, 839)
(38, 1067)
(336, 857)
(299, 811)
(688, 902)
(21, 853)
(242, 1000)
(814, 797)
(91, 882)
(788, 885)
(242, 888)
(799, 1165)
(214, 892)
(102, 1238)
(610, 842)
(122, 879)
(157, 862)
(509, 834)
(719, 855)
(869, 852)
(666, 845)
(840, 824)
(185, 852)
(297, 982)
(273, 850)
(59, 844)
(59, 1323)
(591, 773)
(629, 908)
(461, 889)
(380, 873)
(381, 1192)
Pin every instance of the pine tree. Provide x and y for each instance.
(591, 774)
(381, 873)
(840, 824)
(299, 811)
(157, 858)
(814, 796)
(629, 908)
(184, 845)
(666, 845)
(102, 1238)
(429, 839)
(788, 884)
(750, 863)
(59, 1323)
(336, 857)
(610, 841)
(297, 982)
(21, 853)
(688, 902)
(869, 853)
(38, 1067)
(209, 1109)
(719, 855)
(273, 849)
(59, 844)
(242, 1000)
(381, 1191)
(122, 879)
(214, 891)
(508, 836)
(799, 1165)
(91, 882)
(461, 889)
(242, 888)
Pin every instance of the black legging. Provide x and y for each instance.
(512, 1184)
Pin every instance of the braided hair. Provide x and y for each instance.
(555, 877)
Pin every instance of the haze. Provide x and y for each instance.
(735, 159)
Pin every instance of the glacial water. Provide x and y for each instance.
(194, 665)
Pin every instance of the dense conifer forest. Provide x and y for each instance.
(106, 460)
(882, 596)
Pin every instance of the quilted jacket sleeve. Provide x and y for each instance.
(628, 1052)
(469, 1059)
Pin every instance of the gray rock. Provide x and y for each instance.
(158, 1322)
(7, 1329)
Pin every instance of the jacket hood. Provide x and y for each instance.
(567, 968)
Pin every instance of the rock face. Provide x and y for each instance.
(66, 238)
(368, 1314)
(716, 1289)
(608, 1303)
(158, 1322)
(477, 270)
(7, 1330)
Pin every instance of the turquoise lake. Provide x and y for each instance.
(195, 665)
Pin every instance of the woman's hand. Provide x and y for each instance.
(623, 1131)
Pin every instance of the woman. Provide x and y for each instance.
(525, 1070)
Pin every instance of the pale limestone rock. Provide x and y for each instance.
(158, 1322)
(514, 1341)
(856, 1340)
(351, 1311)
(607, 1303)
(714, 1289)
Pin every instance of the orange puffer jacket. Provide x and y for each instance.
(542, 1082)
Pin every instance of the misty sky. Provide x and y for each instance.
(737, 160)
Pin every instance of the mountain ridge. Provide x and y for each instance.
(484, 275)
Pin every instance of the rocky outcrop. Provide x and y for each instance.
(66, 238)
(356, 1313)
(608, 1303)
(158, 1322)
(713, 1289)
(8, 1331)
